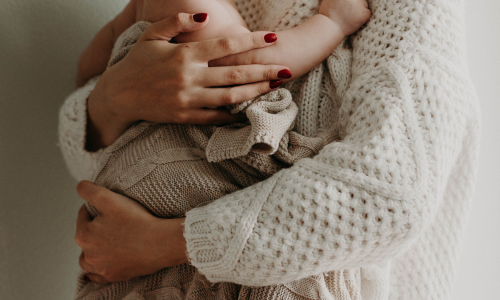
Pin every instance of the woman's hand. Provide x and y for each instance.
(171, 83)
(125, 240)
(307, 44)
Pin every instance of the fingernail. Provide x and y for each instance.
(274, 84)
(200, 18)
(285, 74)
(270, 37)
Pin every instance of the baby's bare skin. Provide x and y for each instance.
(300, 48)
(225, 19)
(306, 45)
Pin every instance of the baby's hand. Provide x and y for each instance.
(306, 45)
(349, 15)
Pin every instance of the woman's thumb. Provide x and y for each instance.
(169, 28)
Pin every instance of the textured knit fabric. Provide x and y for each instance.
(172, 168)
(391, 196)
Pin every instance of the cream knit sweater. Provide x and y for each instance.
(173, 168)
(391, 197)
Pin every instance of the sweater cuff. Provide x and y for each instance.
(83, 165)
(217, 233)
(72, 134)
(270, 117)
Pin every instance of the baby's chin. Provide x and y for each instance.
(211, 32)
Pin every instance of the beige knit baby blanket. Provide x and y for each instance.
(172, 168)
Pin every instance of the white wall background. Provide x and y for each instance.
(479, 271)
(40, 42)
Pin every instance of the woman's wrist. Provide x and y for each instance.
(104, 124)
(171, 241)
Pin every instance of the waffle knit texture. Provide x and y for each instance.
(391, 196)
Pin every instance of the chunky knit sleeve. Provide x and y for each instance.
(83, 165)
(363, 200)
(72, 133)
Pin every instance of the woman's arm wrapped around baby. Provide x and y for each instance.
(269, 116)
(301, 48)
(404, 119)
(334, 35)
(166, 155)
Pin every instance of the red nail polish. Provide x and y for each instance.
(274, 84)
(200, 18)
(284, 74)
(270, 37)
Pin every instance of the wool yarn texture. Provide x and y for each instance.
(172, 168)
(389, 196)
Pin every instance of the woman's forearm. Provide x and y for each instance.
(367, 197)
(104, 126)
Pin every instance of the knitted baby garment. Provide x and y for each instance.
(390, 196)
(173, 168)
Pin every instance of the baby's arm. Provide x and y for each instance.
(305, 46)
(94, 59)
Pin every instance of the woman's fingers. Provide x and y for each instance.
(226, 76)
(216, 48)
(83, 216)
(96, 278)
(82, 221)
(169, 28)
(99, 197)
(85, 265)
(234, 95)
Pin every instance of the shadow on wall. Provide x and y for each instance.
(40, 45)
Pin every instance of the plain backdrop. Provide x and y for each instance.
(40, 42)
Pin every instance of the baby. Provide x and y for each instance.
(172, 168)
(314, 39)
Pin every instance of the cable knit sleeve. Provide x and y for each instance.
(366, 198)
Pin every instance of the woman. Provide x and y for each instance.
(391, 197)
